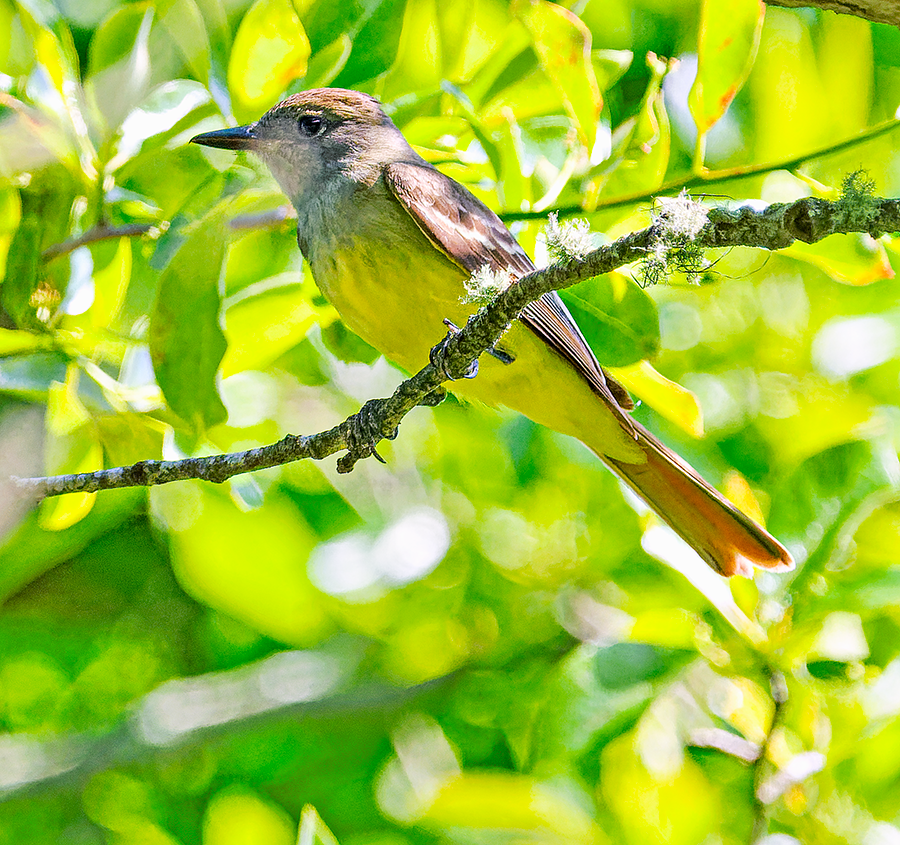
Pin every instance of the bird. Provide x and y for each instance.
(392, 242)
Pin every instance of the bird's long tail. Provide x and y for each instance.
(730, 542)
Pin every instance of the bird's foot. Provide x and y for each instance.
(438, 355)
(364, 430)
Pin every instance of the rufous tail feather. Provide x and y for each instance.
(730, 542)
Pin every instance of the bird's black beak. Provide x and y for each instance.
(237, 138)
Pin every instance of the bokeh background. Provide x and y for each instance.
(486, 640)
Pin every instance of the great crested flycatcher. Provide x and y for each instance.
(391, 242)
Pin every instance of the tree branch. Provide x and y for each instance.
(880, 11)
(101, 232)
(777, 226)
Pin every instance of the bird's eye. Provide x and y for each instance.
(311, 125)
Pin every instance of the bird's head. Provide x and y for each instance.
(317, 138)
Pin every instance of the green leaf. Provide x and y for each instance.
(186, 339)
(344, 344)
(563, 45)
(854, 259)
(669, 399)
(56, 55)
(7, 14)
(114, 39)
(618, 318)
(10, 217)
(119, 65)
(22, 268)
(237, 815)
(727, 43)
(219, 34)
(31, 550)
(210, 554)
(260, 328)
(165, 112)
(110, 285)
(641, 147)
(625, 664)
(270, 51)
(610, 66)
(327, 63)
(375, 43)
(325, 21)
(185, 25)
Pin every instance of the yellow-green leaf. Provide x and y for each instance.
(670, 400)
(110, 285)
(854, 259)
(563, 45)
(213, 542)
(10, 216)
(260, 328)
(270, 51)
(727, 43)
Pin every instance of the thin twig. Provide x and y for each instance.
(101, 232)
(775, 227)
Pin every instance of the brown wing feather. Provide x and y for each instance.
(472, 236)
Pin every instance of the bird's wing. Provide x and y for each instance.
(472, 236)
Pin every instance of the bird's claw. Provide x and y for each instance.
(438, 355)
(363, 433)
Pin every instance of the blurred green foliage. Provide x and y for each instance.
(487, 640)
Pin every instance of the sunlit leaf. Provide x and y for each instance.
(110, 285)
(487, 800)
(10, 216)
(327, 63)
(260, 328)
(7, 14)
(684, 806)
(212, 542)
(737, 490)
(119, 68)
(270, 51)
(610, 66)
(417, 65)
(184, 23)
(786, 61)
(853, 259)
(563, 45)
(840, 415)
(669, 399)
(727, 42)
(56, 55)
